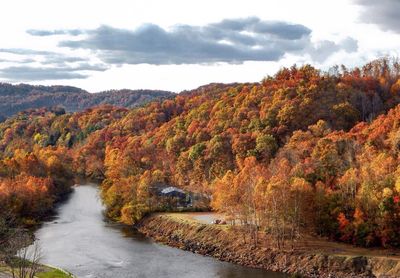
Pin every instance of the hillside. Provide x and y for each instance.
(15, 98)
(323, 144)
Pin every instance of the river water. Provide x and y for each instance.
(81, 241)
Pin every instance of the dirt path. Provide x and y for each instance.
(202, 217)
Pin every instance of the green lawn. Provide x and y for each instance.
(45, 272)
(53, 273)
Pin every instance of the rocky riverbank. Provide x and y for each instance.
(227, 244)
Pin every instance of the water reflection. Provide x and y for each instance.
(80, 241)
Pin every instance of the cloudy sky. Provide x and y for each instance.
(176, 45)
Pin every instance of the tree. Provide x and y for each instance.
(266, 146)
(300, 207)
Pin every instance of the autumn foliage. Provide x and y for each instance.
(300, 152)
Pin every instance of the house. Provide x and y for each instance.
(173, 192)
(178, 197)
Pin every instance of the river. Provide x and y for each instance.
(80, 240)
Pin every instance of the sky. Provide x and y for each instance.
(178, 45)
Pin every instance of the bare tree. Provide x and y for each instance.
(34, 258)
(23, 259)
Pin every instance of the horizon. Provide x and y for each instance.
(199, 86)
(135, 45)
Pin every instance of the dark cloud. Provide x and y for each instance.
(182, 45)
(231, 41)
(275, 28)
(61, 59)
(24, 61)
(384, 13)
(90, 67)
(25, 51)
(323, 49)
(52, 66)
(34, 74)
(46, 57)
(349, 45)
(44, 33)
(25, 73)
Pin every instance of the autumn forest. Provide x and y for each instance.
(302, 151)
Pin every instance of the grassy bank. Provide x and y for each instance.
(311, 258)
(44, 272)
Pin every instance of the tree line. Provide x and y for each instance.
(302, 151)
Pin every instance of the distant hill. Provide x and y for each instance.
(15, 98)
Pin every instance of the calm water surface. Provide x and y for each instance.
(82, 242)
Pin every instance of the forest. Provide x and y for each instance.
(303, 151)
(16, 98)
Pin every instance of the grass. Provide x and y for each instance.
(53, 273)
(187, 218)
(44, 272)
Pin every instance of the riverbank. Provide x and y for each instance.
(45, 271)
(311, 258)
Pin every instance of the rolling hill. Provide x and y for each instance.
(15, 98)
